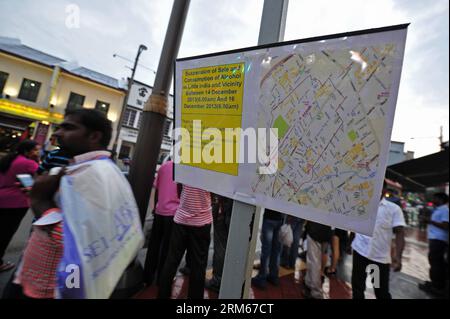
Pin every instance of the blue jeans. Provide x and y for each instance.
(289, 254)
(270, 249)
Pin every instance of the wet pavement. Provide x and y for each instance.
(403, 285)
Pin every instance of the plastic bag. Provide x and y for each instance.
(285, 235)
(102, 230)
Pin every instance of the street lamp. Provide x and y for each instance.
(125, 101)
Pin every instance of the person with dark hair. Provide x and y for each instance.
(92, 120)
(83, 136)
(95, 126)
(14, 203)
(438, 246)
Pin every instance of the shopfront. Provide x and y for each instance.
(12, 130)
(19, 122)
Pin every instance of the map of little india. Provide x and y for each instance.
(330, 111)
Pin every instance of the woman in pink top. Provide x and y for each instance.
(14, 203)
(166, 204)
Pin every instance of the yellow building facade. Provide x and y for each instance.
(36, 89)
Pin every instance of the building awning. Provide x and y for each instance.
(393, 183)
(34, 113)
(423, 172)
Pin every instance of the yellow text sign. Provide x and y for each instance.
(212, 95)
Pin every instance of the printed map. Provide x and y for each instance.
(329, 108)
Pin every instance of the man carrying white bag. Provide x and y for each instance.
(95, 208)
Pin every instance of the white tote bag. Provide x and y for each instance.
(285, 235)
(102, 229)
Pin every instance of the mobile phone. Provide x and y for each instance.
(26, 180)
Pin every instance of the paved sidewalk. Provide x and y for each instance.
(403, 285)
(15, 248)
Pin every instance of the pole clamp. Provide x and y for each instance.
(157, 104)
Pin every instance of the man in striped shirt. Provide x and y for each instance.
(191, 233)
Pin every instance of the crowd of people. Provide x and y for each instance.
(183, 219)
(382, 250)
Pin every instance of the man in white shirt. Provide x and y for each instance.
(372, 255)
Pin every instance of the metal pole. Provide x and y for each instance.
(240, 253)
(125, 101)
(143, 165)
(273, 21)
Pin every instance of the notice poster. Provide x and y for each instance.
(301, 127)
(212, 99)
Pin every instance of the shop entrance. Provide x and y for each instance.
(12, 131)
